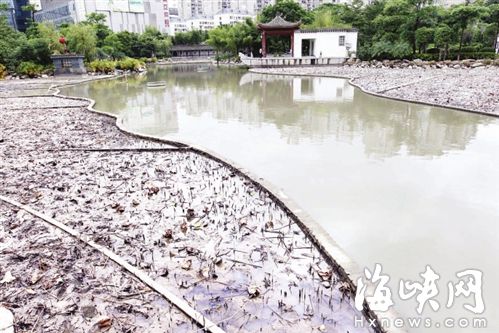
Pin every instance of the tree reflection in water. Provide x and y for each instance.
(300, 107)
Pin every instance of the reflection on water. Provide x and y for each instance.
(301, 108)
(401, 184)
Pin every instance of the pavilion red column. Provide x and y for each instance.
(264, 44)
(292, 44)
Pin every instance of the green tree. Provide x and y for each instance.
(9, 41)
(493, 18)
(31, 9)
(417, 14)
(217, 38)
(463, 15)
(289, 10)
(81, 39)
(424, 36)
(36, 50)
(443, 37)
(192, 37)
(113, 46)
(48, 31)
(98, 22)
(329, 16)
(129, 42)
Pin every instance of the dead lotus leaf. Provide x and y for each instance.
(325, 275)
(105, 322)
(345, 288)
(190, 214)
(191, 251)
(8, 277)
(269, 225)
(36, 277)
(187, 264)
(169, 234)
(253, 291)
(152, 190)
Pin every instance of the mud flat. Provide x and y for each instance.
(195, 225)
(473, 89)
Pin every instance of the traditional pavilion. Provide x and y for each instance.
(278, 27)
(308, 46)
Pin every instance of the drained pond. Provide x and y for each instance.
(394, 183)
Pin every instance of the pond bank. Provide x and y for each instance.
(467, 89)
(192, 223)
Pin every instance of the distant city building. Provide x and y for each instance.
(204, 23)
(448, 3)
(176, 24)
(228, 18)
(121, 15)
(16, 17)
(200, 24)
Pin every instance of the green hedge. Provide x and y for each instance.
(129, 64)
(102, 66)
(30, 69)
(453, 56)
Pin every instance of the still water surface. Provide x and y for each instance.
(394, 183)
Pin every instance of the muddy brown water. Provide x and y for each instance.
(395, 183)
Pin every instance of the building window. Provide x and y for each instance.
(342, 40)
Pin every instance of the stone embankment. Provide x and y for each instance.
(195, 225)
(418, 63)
(468, 85)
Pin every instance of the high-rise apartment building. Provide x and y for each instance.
(121, 15)
(16, 16)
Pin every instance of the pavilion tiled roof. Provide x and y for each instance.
(279, 23)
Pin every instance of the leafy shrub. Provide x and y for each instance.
(102, 66)
(488, 50)
(36, 50)
(129, 64)
(29, 69)
(428, 57)
(433, 50)
(3, 71)
(49, 69)
(389, 50)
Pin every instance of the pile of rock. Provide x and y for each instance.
(418, 63)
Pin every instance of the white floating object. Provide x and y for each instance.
(8, 277)
(156, 84)
(6, 320)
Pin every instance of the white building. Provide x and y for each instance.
(121, 15)
(176, 24)
(227, 18)
(325, 43)
(307, 47)
(200, 24)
